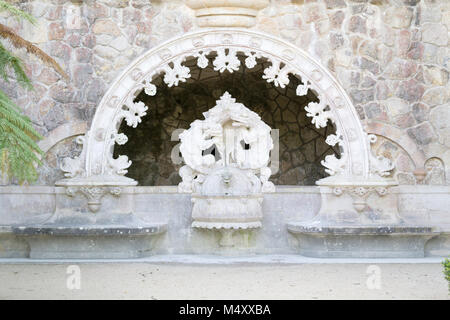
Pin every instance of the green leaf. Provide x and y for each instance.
(5, 6)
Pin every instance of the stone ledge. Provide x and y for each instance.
(98, 230)
(395, 241)
(56, 241)
(361, 230)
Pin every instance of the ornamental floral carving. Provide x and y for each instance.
(202, 60)
(250, 61)
(134, 112)
(316, 111)
(226, 61)
(93, 194)
(279, 77)
(177, 73)
(302, 90)
(360, 194)
(121, 138)
(149, 88)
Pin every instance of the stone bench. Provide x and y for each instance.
(12, 246)
(399, 241)
(53, 241)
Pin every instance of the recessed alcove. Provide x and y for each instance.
(153, 143)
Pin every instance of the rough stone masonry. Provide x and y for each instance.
(391, 56)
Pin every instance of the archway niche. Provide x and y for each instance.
(184, 76)
(301, 145)
(170, 86)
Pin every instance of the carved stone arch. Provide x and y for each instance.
(96, 163)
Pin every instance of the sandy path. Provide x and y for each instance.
(181, 281)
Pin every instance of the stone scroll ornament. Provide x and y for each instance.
(239, 138)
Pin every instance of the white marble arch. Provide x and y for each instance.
(96, 163)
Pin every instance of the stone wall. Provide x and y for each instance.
(392, 57)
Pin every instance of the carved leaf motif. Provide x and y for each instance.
(229, 62)
(279, 77)
(176, 74)
(149, 88)
(316, 112)
(360, 191)
(250, 61)
(302, 90)
(93, 193)
(115, 191)
(332, 140)
(121, 139)
(382, 191)
(202, 60)
(135, 111)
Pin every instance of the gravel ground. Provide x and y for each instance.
(236, 281)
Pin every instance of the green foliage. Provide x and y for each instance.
(19, 153)
(8, 60)
(5, 6)
(446, 264)
(18, 149)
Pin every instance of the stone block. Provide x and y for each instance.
(106, 27)
(398, 17)
(435, 33)
(422, 134)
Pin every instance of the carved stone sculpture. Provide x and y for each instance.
(226, 186)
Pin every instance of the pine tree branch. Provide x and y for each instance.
(19, 43)
(19, 152)
(16, 12)
(7, 59)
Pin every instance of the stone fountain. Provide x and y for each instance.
(226, 157)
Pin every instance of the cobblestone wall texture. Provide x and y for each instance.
(392, 57)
